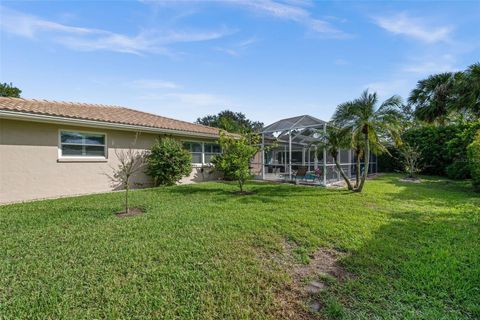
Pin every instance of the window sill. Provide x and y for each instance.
(82, 160)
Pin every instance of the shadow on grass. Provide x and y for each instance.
(438, 191)
(261, 191)
(419, 265)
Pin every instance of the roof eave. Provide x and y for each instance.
(26, 116)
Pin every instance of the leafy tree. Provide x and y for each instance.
(237, 152)
(168, 162)
(411, 157)
(8, 90)
(369, 125)
(432, 97)
(333, 139)
(230, 121)
(473, 152)
(131, 161)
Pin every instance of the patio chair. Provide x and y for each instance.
(301, 173)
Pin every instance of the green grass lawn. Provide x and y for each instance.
(199, 252)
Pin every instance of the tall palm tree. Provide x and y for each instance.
(467, 90)
(432, 97)
(358, 149)
(332, 140)
(369, 125)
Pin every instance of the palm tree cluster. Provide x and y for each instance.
(442, 96)
(365, 126)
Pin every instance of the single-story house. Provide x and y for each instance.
(52, 149)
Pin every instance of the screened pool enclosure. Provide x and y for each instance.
(289, 153)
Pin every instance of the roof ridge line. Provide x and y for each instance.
(188, 122)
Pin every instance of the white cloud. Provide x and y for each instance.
(292, 11)
(238, 48)
(416, 28)
(154, 84)
(90, 39)
(431, 64)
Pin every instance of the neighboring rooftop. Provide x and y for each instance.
(102, 113)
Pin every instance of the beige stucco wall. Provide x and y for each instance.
(30, 168)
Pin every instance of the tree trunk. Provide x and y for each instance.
(366, 163)
(342, 173)
(240, 183)
(126, 198)
(357, 173)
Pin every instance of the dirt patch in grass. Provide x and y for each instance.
(131, 212)
(302, 298)
(324, 262)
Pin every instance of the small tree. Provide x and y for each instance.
(8, 90)
(168, 162)
(371, 123)
(473, 153)
(131, 161)
(411, 159)
(237, 152)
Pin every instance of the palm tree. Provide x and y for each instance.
(432, 97)
(332, 140)
(358, 148)
(369, 125)
(467, 90)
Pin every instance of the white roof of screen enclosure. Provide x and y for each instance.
(301, 128)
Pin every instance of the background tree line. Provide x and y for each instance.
(441, 120)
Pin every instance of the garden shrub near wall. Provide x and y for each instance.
(168, 162)
(473, 152)
(443, 149)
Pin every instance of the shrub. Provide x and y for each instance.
(411, 160)
(237, 152)
(168, 162)
(390, 161)
(443, 149)
(458, 170)
(432, 143)
(473, 152)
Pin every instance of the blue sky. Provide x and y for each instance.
(268, 59)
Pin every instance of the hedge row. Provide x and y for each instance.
(444, 150)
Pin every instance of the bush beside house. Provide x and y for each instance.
(168, 162)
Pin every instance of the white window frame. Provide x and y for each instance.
(202, 143)
(82, 158)
(211, 153)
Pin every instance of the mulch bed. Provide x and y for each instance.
(131, 212)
